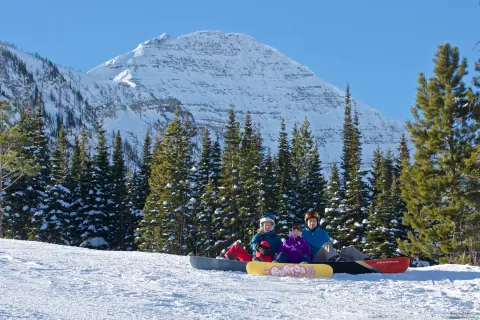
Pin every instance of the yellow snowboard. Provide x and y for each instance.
(290, 269)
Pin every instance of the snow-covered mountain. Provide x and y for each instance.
(203, 73)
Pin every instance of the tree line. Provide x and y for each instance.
(179, 201)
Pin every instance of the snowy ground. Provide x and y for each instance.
(43, 281)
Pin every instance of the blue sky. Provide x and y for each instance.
(377, 46)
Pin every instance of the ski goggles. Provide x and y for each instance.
(296, 227)
(311, 214)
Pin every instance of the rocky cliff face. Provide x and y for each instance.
(203, 73)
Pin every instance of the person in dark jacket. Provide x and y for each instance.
(320, 245)
(265, 235)
(295, 249)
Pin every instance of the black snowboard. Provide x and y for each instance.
(204, 263)
(388, 265)
(350, 267)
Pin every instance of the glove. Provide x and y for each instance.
(257, 259)
(262, 249)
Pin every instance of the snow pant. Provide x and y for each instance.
(327, 251)
(283, 258)
(238, 253)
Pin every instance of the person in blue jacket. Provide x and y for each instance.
(264, 244)
(320, 245)
(267, 233)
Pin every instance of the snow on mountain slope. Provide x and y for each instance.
(44, 281)
(203, 73)
(210, 70)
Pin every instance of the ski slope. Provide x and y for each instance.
(44, 281)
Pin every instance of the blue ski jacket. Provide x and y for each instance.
(316, 238)
(271, 237)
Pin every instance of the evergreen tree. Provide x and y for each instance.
(402, 160)
(269, 184)
(144, 174)
(13, 166)
(309, 182)
(347, 140)
(205, 166)
(250, 159)
(82, 172)
(120, 218)
(100, 193)
(434, 187)
(334, 206)
(382, 224)
(27, 197)
(206, 231)
(58, 222)
(227, 219)
(354, 214)
(285, 197)
(167, 224)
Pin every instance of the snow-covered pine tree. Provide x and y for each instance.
(99, 203)
(285, 181)
(249, 170)
(402, 159)
(13, 165)
(269, 184)
(354, 215)
(227, 218)
(334, 206)
(144, 174)
(120, 217)
(207, 176)
(382, 225)
(205, 166)
(28, 195)
(166, 225)
(58, 221)
(435, 187)
(82, 172)
(309, 182)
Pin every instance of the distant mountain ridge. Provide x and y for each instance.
(203, 73)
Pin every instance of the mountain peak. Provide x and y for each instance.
(205, 73)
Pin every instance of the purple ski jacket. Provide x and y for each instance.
(295, 248)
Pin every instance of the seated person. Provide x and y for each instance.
(322, 249)
(295, 249)
(266, 236)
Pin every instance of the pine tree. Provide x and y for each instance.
(206, 228)
(98, 217)
(144, 174)
(374, 178)
(354, 214)
(82, 172)
(250, 159)
(285, 197)
(13, 166)
(58, 222)
(382, 224)
(167, 223)
(269, 184)
(347, 140)
(334, 207)
(205, 166)
(227, 218)
(435, 187)
(309, 183)
(120, 218)
(28, 195)
(402, 160)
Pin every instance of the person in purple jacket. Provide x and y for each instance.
(295, 249)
